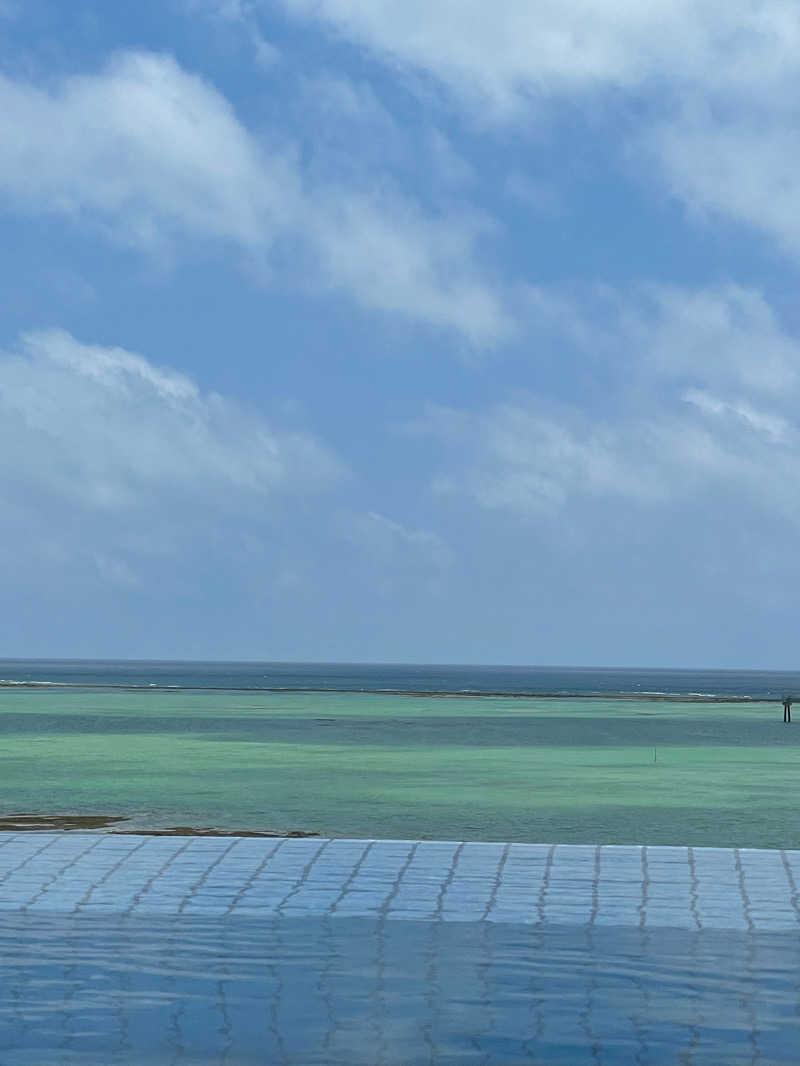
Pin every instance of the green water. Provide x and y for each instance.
(611, 771)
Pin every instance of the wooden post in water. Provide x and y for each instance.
(787, 709)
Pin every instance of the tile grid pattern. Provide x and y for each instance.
(644, 887)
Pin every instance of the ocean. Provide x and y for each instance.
(612, 756)
(387, 677)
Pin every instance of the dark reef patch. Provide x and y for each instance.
(26, 823)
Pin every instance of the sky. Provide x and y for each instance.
(401, 330)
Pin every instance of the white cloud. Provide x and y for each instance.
(340, 99)
(154, 156)
(741, 165)
(705, 402)
(147, 150)
(513, 51)
(514, 458)
(392, 557)
(523, 459)
(720, 80)
(726, 336)
(384, 540)
(119, 474)
(771, 426)
(103, 430)
(353, 141)
(394, 254)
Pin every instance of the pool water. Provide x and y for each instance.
(147, 992)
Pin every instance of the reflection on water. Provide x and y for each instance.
(141, 992)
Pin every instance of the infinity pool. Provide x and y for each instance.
(292, 991)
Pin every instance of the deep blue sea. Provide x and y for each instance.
(391, 677)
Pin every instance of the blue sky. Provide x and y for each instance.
(401, 330)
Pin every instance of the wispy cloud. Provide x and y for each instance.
(733, 429)
(771, 426)
(106, 430)
(241, 15)
(154, 156)
(396, 558)
(515, 51)
(737, 158)
(725, 335)
(714, 84)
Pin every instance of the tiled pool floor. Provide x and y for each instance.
(686, 888)
(148, 951)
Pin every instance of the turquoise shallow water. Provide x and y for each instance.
(368, 764)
